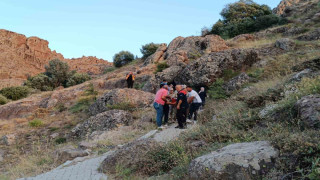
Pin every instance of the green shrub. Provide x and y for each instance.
(61, 107)
(148, 49)
(108, 69)
(161, 67)
(256, 73)
(122, 58)
(91, 91)
(3, 100)
(15, 92)
(139, 85)
(83, 104)
(36, 123)
(216, 90)
(40, 81)
(58, 72)
(77, 78)
(122, 106)
(229, 74)
(60, 140)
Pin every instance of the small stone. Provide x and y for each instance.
(87, 145)
(54, 135)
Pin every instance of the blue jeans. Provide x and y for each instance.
(159, 109)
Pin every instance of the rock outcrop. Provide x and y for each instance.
(236, 161)
(102, 122)
(236, 83)
(308, 109)
(69, 153)
(310, 36)
(280, 9)
(129, 156)
(285, 44)
(126, 97)
(157, 56)
(21, 57)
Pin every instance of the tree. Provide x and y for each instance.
(149, 49)
(122, 58)
(58, 72)
(77, 78)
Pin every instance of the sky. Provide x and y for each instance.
(102, 28)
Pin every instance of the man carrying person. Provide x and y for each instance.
(159, 102)
(130, 79)
(182, 106)
(195, 101)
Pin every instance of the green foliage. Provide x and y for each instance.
(61, 107)
(60, 140)
(256, 73)
(40, 81)
(139, 85)
(216, 90)
(122, 106)
(35, 123)
(83, 104)
(122, 58)
(3, 100)
(123, 173)
(161, 67)
(244, 16)
(108, 69)
(15, 92)
(58, 72)
(229, 74)
(91, 91)
(148, 49)
(77, 78)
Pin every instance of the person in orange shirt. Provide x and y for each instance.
(130, 79)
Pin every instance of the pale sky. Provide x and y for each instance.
(103, 27)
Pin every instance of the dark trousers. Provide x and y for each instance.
(194, 110)
(166, 113)
(181, 116)
(130, 84)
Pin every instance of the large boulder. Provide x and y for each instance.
(310, 36)
(236, 161)
(181, 49)
(236, 83)
(157, 56)
(308, 109)
(102, 122)
(135, 98)
(209, 67)
(69, 153)
(285, 44)
(129, 156)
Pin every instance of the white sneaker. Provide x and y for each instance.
(166, 125)
(189, 121)
(161, 127)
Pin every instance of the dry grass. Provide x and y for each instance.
(253, 44)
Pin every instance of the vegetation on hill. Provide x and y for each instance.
(122, 58)
(148, 49)
(244, 16)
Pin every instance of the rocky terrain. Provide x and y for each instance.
(22, 56)
(261, 120)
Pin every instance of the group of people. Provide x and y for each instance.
(180, 102)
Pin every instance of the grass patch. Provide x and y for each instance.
(122, 106)
(36, 123)
(60, 140)
(161, 66)
(216, 90)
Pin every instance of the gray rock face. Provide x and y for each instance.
(136, 98)
(129, 156)
(285, 44)
(308, 109)
(69, 153)
(310, 36)
(236, 161)
(102, 122)
(211, 66)
(236, 83)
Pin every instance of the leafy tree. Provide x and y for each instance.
(15, 92)
(122, 58)
(58, 72)
(77, 78)
(40, 81)
(148, 49)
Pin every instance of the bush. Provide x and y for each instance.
(244, 16)
(3, 100)
(122, 58)
(83, 104)
(60, 140)
(108, 69)
(15, 92)
(149, 49)
(216, 90)
(36, 123)
(58, 72)
(122, 106)
(77, 78)
(161, 67)
(40, 81)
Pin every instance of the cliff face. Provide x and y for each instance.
(280, 9)
(21, 56)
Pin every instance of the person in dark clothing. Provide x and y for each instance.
(130, 79)
(182, 106)
(203, 96)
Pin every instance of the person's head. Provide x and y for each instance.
(171, 91)
(189, 88)
(202, 89)
(178, 87)
(131, 73)
(166, 87)
(162, 84)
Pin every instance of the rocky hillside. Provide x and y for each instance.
(261, 120)
(22, 56)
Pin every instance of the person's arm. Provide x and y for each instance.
(179, 103)
(190, 100)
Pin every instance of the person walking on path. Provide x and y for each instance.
(203, 96)
(182, 106)
(195, 101)
(159, 102)
(130, 79)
